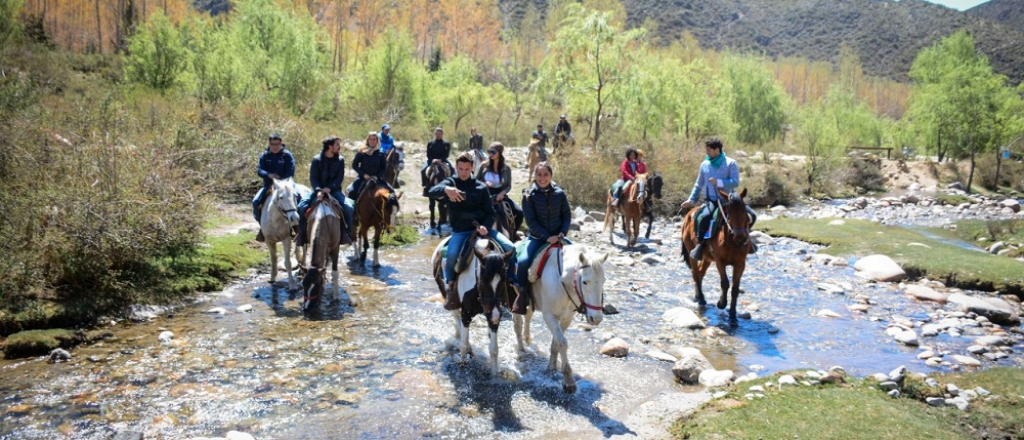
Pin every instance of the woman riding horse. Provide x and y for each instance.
(631, 166)
(369, 165)
(326, 172)
(547, 212)
(469, 208)
(497, 176)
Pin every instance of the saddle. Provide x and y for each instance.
(699, 220)
(538, 262)
(465, 254)
(336, 209)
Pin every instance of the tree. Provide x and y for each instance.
(9, 26)
(590, 63)
(158, 54)
(391, 81)
(818, 135)
(458, 92)
(757, 106)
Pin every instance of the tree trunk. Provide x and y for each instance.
(999, 164)
(99, 28)
(938, 145)
(970, 176)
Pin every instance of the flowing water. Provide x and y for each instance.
(385, 370)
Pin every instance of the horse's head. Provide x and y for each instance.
(437, 172)
(589, 284)
(283, 200)
(391, 207)
(655, 183)
(493, 270)
(736, 216)
(641, 187)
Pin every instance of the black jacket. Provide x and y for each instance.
(282, 164)
(476, 142)
(373, 164)
(547, 211)
(563, 127)
(476, 208)
(438, 149)
(326, 173)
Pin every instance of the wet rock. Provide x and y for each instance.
(830, 288)
(661, 356)
(825, 313)
(690, 364)
(652, 260)
(929, 330)
(716, 378)
(59, 355)
(926, 354)
(1012, 204)
(995, 309)
(966, 361)
(762, 239)
(977, 349)
(245, 308)
(879, 268)
(993, 340)
(683, 317)
(128, 435)
(165, 337)
(235, 435)
(216, 311)
(861, 308)
(839, 262)
(143, 313)
(925, 293)
(615, 347)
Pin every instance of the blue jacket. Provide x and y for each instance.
(326, 173)
(373, 164)
(728, 174)
(476, 207)
(282, 164)
(546, 211)
(387, 142)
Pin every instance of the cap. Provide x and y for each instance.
(561, 117)
(385, 127)
(274, 136)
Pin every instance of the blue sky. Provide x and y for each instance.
(959, 4)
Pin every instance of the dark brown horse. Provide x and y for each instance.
(727, 247)
(437, 172)
(655, 183)
(377, 209)
(394, 159)
(630, 207)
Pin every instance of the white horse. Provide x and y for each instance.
(279, 214)
(477, 287)
(571, 282)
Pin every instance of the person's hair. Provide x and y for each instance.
(437, 129)
(639, 154)
(365, 149)
(631, 150)
(540, 125)
(714, 143)
(501, 156)
(544, 164)
(465, 157)
(330, 140)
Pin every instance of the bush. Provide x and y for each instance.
(867, 174)
(1011, 173)
(774, 190)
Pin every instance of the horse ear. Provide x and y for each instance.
(724, 194)
(583, 258)
(743, 194)
(604, 257)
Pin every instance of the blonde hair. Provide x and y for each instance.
(366, 149)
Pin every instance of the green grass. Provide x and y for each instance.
(859, 410)
(1011, 230)
(226, 257)
(37, 342)
(952, 199)
(954, 265)
(400, 236)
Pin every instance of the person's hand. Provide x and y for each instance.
(686, 205)
(366, 177)
(481, 230)
(435, 161)
(274, 176)
(713, 181)
(500, 196)
(454, 194)
(554, 239)
(320, 196)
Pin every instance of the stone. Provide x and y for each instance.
(652, 260)
(749, 377)
(683, 317)
(977, 349)
(832, 378)
(216, 311)
(661, 356)
(931, 382)
(128, 435)
(578, 212)
(907, 337)
(993, 340)
(898, 375)
(861, 308)
(1013, 204)
(825, 313)
(615, 347)
(597, 215)
(996, 247)
(589, 219)
(879, 268)
(756, 389)
(895, 394)
(712, 378)
(966, 361)
(830, 288)
(235, 435)
(690, 364)
(959, 402)
(925, 293)
(777, 209)
(955, 185)
(888, 385)
(935, 401)
(165, 337)
(787, 380)
(244, 308)
(143, 313)
(762, 239)
(952, 389)
(839, 262)
(926, 354)
(929, 330)
(982, 392)
(995, 309)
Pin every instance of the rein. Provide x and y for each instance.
(582, 307)
(726, 217)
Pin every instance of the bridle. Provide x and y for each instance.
(735, 232)
(284, 212)
(582, 306)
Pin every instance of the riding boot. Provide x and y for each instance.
(698, 252)
(259, 236)
(522, 299)
(451, 299)
(300, 237)
(346, 238)
(295, 231)
(425, 190)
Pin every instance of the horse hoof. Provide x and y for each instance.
(569, 388)
(721, 305)
(376, 265)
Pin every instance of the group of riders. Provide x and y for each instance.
(475, 197)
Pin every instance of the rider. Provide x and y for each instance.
(386, 141)
(326, 171)
(476, 142)
(468, 203)
(497, 176)
(716, 172)
(631, 166)
(548, 216)
(542, 138)
(563, 127)
(437, 150)
(275, 163)
(369, 164)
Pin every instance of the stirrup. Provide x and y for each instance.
(698, 252)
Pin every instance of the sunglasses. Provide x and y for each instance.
(492, 151)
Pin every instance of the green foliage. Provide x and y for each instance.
(820, 141)
(757, 101)
(10, 29)
(391, 86)
(220, 68)
(158, 54)
(866, 174)
(458, 94)
(774, 190)
(400, 236)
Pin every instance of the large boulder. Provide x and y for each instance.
(1013, 204)
(683, 317)
(690, 364)
(995, 309)
(925, 293)
(712, 378)
(879, 268)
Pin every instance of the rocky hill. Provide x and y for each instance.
(1007, 12)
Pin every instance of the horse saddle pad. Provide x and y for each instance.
(537, 261)
(466, 253)
(699, 219)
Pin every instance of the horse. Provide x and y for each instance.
(533, 158)
(630, 208)
(437, 172)
(570, 281)
(325, 240)
(505, 221)
(655, 182)
(394, 159)
(482, 287)
(560, 141)
(727, 247)
(376, 209)
(479, 157)
(279, 215)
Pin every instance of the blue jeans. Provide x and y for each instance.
(256, 202)
(347, 207)
(526, 258)
(455, 245)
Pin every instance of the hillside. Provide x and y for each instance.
(1007, 12)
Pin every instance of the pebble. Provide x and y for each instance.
(165, 337)
(967, 361)
(787, 380)
(216, 311)
(244, 308)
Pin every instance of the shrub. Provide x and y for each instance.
(774, 190)
(867, 174)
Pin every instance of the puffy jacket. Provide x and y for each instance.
(373, 164)
(438, 149)
(563, 127)
(476, 142)
(627, 172)
(477, 206)
(282, 164)
(546, 211)
(326, 172)
(387, 142)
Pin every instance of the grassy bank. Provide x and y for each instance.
(859, 410)
(919, 254)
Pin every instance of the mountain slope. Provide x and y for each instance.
(1007, 12)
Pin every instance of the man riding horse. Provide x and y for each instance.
(563, 134)
(542, 141)
(469, 209)
(548, 216)
(369, 165)
(437, 150)
(387, 142)
(631, 166)
(326, 172)
(275, 163)
(716, 172)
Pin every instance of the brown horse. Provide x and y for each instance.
(394, 159)
(630, 207)
(377, 209)
(437, 172)
(533, 158)
(727, 247)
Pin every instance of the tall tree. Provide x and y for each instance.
(757, 106)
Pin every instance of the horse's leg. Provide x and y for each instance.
(636, 227)
(433, 223)
(609, 220)
(364, 231)
(273, 260)
(650, 222)
(558, 340)
(568, 382)
(527, 337)
(457, 314)
(725, 284)
(697, 270)
(494, 347)
(376, 245)
(737, 272)
(287, 247)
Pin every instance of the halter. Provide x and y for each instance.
(726, 217)
(582, 307)
(284, 212)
